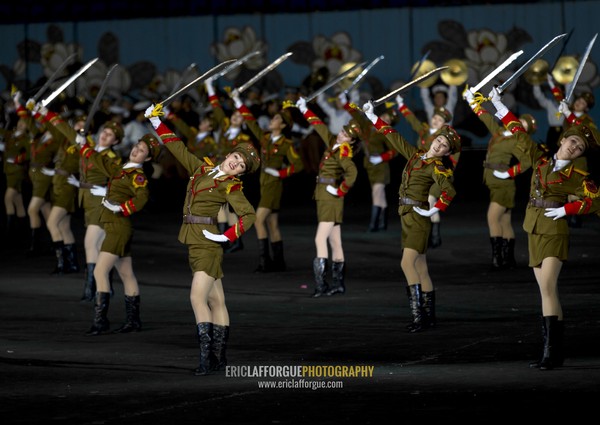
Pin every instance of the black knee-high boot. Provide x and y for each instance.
(278, 258)
(35, 247)
(101, 323)
(496, 252)
(71, 261)
(428, 318)
(374, 222)
(89, 283)
(132, 316)
(218, 360)
(59, 251)
(435, 237)
(205, 334)
(508, 253)
(383, 219)
(264, 257)
(337, 276)
(415, 302)
(320, 272)
(553, 352)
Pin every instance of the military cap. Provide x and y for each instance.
(444, 113)
(453, 138)
(531, 122)
(153, 145)
(353, 129)
(250, 154)
(116, 128)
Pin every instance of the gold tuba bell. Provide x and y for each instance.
(347, 81)
(456, 73)
(565, 69)
(425, 67)
(537, 73)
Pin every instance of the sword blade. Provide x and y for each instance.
(496, 71)
(184, 76)
(580, 69)
(527, 64)
(57, 73)
(333, 82)
(263, 72)
(562, 49)
(362, 75)
(237, 63)
(423, 59)
(408, 85)
(67, 83)
(99, 96)
(201, 78)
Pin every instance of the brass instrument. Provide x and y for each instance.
(537, 73)
(426, 66)
(456, 74)
(347, 81)
(565, 69)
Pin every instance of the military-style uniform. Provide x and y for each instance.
(16, 149)
(336, 168)
(278, 154)
(43, 150)
(230, 137)
(419, 174)
(89, 176)
(67, 161)
(205, 196)
(502, 148)
(200, 144)
(127, 187)
(550, 189)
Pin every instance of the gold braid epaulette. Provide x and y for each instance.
(441, 169)
(590, 190)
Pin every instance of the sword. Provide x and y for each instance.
(423, 59)
(363, 74)
(184, 74)
(527, 64)
(496, 71)
(201, 78)
(57, 73)
(580, 69)
(67, 83)
(263, 72)
(407, 85)
(562, 49)
(99, 95)
(333, 82)
(237, 63)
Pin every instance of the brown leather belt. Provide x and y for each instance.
(61, 172)
(325, 180)
(85, 185)
(542, 203)
(498, 167)
(194, 219)
(408, 201)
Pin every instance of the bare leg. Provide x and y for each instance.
(202, 284)
(547, 279)
(506, 224)
(216, 303)
(494, 219)
(56, 216)
(409, 266)
(323, 231)
(378, 195)
(33, 211)
(259, 224)
(273, 227)
(106, 261)
(94, 235)
(124, 267)
(335, 240)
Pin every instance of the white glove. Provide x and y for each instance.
(501, 174)
(375, 159)
(80, 139)
(17, 98)
(354, 96)
(272, 171)
(48, 171)
(73, 180)
(10, 160)
(2, 146)
(563, 108)
(98, 190)
(114, 208)
(155, 121)
(208, 84)
(332, 190)
(426, 213)
(555, 212)
(39, 108)
(468, 96)
(496, 97)
(214, 237)
(343, 98)
(399, 101)
(301, 105)
(369, 111)
(235, 96)
(551, 81)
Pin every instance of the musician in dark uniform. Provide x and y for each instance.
(556, 176)
(279, 160)
(209, 188)
(502, 155)
(127, 193)
(337, 174)
(422, 170)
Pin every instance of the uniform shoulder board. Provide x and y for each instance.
(440, 168)
(590, 189)
(345, 150)
(110, 153)
(234, 185)
(139, 180)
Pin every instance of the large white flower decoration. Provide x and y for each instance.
(88, 84)
(334, 52)
(237, 43)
